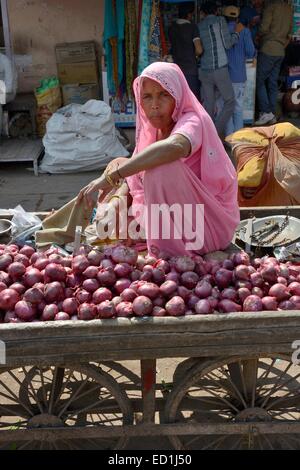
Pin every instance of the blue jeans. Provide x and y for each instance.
(268, 68)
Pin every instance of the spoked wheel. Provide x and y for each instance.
(249, 403)
(77, 397)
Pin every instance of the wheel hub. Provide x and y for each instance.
(44, 420)
(253, 414)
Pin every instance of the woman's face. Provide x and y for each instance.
(157, 103)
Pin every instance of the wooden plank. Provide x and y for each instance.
(148, 378)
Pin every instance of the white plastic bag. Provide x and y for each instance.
(24, 224)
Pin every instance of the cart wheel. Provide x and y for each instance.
(250, 390)
(75, 396)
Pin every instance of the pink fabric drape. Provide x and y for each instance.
(206, 177)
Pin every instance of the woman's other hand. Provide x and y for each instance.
(89, 192)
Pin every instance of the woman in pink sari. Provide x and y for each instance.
(179, 162)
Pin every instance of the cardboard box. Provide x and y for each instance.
(79, 72)
(69, 52)
(80, 94)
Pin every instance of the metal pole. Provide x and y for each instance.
(6, 29)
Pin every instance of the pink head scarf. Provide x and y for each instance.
(171, 78)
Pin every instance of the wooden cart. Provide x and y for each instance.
(62, 385)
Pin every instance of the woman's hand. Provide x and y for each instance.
(89, 192)
(116, 164)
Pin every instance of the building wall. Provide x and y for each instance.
(38, 25)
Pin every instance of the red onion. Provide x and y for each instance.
(135, 275)
(9, 316)
(228, 264)
(172, 276)
(241, 272)
(142, 305)
(90, 272)
(257, 291)
(279, 291)
(87, 311)
(287, 305)
(175, 307)
(243, 293)
(140, 262)
(74, 280)
(106, 309)
(189, 279)
(101, 294)
(256, 263)
(253, 303)
(230, 293)
(49, 312)
(33, 295)
(241, 258)
(213, 302)
(122, 254)
(22, 259)
(183, 292)
(4, 286)
(24, 310)
(256, 279)
(117, 300)
(5, 261)
(40, 306)
(269, 303)
(243, 284)
(158, 276)
(95, 257)
(284, 271)
(106, 277)
(90, 285)
(159, 301)
(294, 288)
(107, 263)
(12, 249)
(36, 256)
(122, 269)
(269, 273)
(203, 289)
(32, 276)
(223, 278)
(150, 260)
(296, 300)
(70, 306)
(8, 299)
(122, 284)
(192, 300)
(83, 296)
(18, 286)
(148, 289)
(163, 265)
(27, 251)
(146, 276)
(228, 306)
(68, 292)
(79, 264)
(124, 309)
(128, 295)
(158, 312)
(55, 272)
(282, 280)
(61, 316)
(203, 307)
(53, 292)
(200, 269)
(168, 287)
(183, 264)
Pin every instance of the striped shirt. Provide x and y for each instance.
(216, 39)
(239, 53)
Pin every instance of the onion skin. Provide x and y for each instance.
(294, 288)
(227, 306)
(158, 312)
(253, 303)
(203, 289)
(223, 278)
(70, 306)
(175, 307)
(24, 310)
(32, 276)
(106, 309)
(62, 316)
(87, 311)
(168, 287)
(8, 299)
(90, 272)
(49, 312)
(128, 295)
(79, 264)
(102, 294)
(287, 305)
(16, 270)
(5, 261)
(142, 306)
(148, 289)
(279, 291)
(243, 293)
(90, 285)
(33, 296)
(189, 279)
(203, 307)
(53, 292)
(269, 303)
(229, 293)
(121, 285)
(124, 309)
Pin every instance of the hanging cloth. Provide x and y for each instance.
(130, 44)
(144, 36)
(113, 39)
(154, 33)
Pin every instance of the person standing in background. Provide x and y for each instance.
(250, 16)
(237, 56)
(274, 35)
(213, 73)
(186, 45)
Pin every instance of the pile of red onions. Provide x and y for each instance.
(118, 282)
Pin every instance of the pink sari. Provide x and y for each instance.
(205, 177)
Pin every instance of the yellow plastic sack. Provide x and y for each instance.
(247, 135)
(48, 102)
(251, 174)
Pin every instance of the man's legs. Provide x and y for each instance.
(272, 83)
(194, 84)
(237, 117)
(224, 85)
(207, 91)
